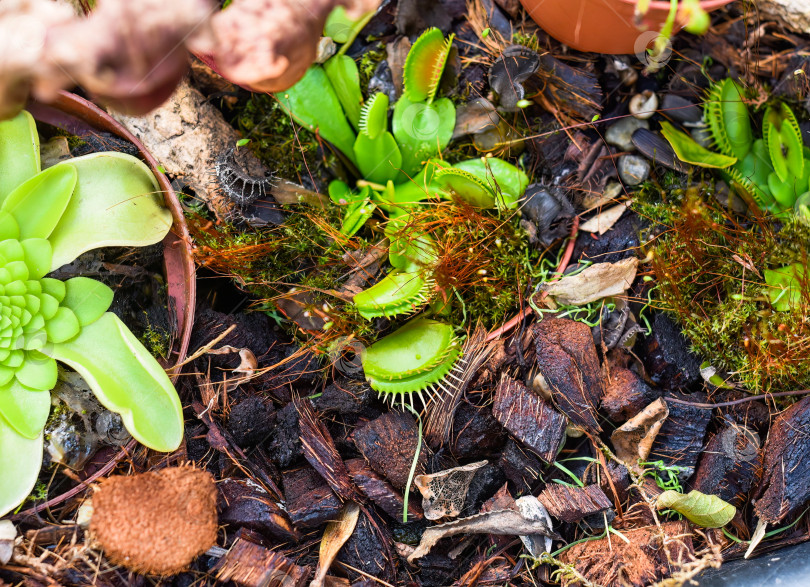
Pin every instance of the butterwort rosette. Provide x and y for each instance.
(47, 219)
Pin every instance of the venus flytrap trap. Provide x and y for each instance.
(47, 219)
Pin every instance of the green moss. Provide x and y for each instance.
(156, 340)
(290, 154)
(368, 63)
(709, 273)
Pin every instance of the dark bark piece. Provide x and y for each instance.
(521, 467)
(754, 415)
(388, 443)
(247, 505)
(666, 356)
(785, 484)
(476, 433)
(250, 421)
(310, 502)
(626, 394)
(486, 482)
(380, 491)
(284, 445)
(572, 504)
(322, 454)
(645, 560)
(344, 396)
(369, 549)
(529, 418)
(680, 440)
(620, 242)
(566, 356)
(250, 565)
(729, 464)
(619, 479)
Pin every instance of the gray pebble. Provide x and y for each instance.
(620, 133)
(633, 169)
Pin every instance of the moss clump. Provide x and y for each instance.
(157, 340)
(369, 61)
(709, 267)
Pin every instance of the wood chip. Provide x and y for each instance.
(572, 504)
(250, 565)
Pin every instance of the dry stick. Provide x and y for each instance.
(737, 401)
(566, 258)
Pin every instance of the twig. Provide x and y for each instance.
(736, 401)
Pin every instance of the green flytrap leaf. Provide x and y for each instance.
(376, 151)
(422, 130)
(728, 119)
(707, 511)
(784, 140)
(786, 286)
(47, 220)
(314, 104)
(345, 79)
(689, 151)
(399, 292)
(414, 358)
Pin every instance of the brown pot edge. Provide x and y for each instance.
(177, 253)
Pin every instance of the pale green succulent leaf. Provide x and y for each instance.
(87, 298)
(63, 326)
(117, 202)
(127, 380)
(37, 372)
(19, 153)
(707, 511)
(24, 408)
(48, 305)
(38, 204)
(38, 253)
(53, 287)
(20, 461)
(9, 229)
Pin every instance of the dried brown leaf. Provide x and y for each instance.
(443, 493)
(334, 537)
(634, 439)
(595, 282)
(502, 522)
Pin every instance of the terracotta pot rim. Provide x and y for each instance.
(663, 5)
(177, 253)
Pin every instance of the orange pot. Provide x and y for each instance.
(603, 26)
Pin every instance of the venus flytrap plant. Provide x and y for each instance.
(400, 171)
(47, 219)
(771, 171)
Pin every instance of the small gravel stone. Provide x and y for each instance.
(620, 134)
(633, 169)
